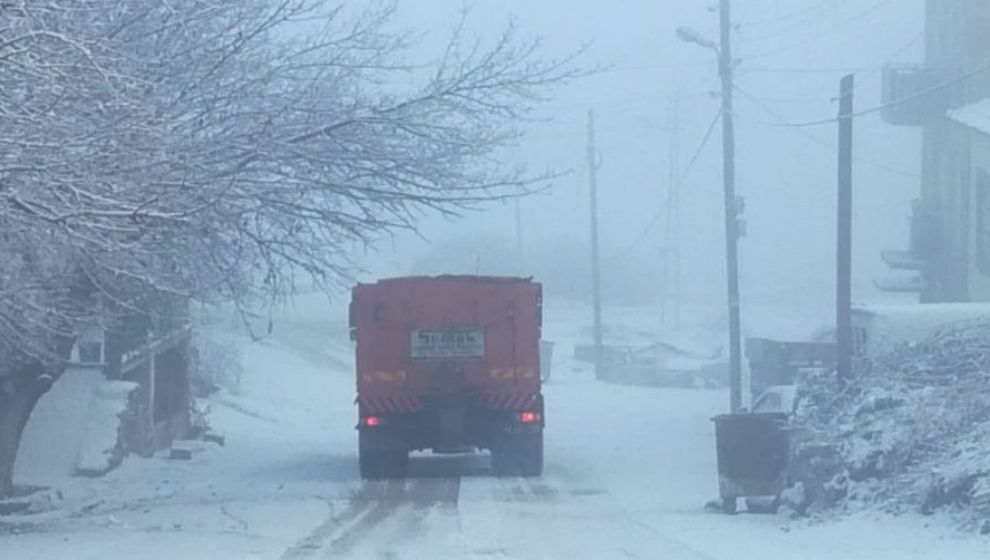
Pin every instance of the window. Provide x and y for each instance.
(983, 221)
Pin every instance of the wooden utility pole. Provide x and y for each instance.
(843, 299)
(732, 209)
(593, 164)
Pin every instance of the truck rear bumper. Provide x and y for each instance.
(450, 429)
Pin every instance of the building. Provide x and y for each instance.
(942, 260)
(972, 123)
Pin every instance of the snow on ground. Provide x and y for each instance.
(99, 441)
(66, 405)
(628, 472)
(83, 409)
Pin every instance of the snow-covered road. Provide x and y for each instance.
(628, 472)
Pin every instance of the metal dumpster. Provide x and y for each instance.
(753, 455)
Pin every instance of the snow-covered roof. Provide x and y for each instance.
(911, 323)
(926, 311)
(975, 116)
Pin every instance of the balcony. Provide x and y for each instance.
(911, 95)
(919, 259)
(904, 260)
(902, 284)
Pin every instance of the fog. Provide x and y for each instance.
(790, 58)
(310, 279)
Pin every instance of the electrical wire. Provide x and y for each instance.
(812, 16)
(814, 9)
(773, 114)
(684, 176)
(861, 84)
(876, 109)
(860, 15)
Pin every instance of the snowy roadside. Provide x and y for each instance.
(266, 426)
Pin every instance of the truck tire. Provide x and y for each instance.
(377, 463)
(383, 464)
(519, 455)
(729, 506)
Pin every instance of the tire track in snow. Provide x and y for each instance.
(370, 497)
(408, 501)
(426, 497)
(342, 542)
(528, 525)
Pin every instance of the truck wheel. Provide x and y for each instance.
(519, 455)
(530, 456)
(729, 506)
(380, 465)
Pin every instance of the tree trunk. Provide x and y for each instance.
(18, 396)
(26, 379)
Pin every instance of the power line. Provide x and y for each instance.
(668, 66)
(860, 15)
(860, 85)
(839, 69)
(687, 172)
(820, 7)
(759, 103)
(813, 15)
(934, 89)
(810, 70)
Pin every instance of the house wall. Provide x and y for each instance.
(957, 42)
(945, 194)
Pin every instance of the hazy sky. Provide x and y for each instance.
(792, 54)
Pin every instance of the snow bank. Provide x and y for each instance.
(100, 451)
(912, 434)
(56, 429)
(73, 429)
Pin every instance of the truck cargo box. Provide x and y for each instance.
(448, 363)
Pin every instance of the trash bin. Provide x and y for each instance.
(546, 359)
(753, 454)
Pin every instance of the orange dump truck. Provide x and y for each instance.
(449, 364)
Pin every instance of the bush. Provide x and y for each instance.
(910, 433)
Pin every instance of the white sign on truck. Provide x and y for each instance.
(448, 344)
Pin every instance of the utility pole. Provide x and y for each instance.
(733, 204)
(594, 161)
(732, 209)
(843, 299)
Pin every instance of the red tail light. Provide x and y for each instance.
(529, 417)
(372, 421)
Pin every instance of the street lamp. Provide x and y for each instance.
(732, 206)
(689, 35)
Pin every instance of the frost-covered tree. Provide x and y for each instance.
(214, 149)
